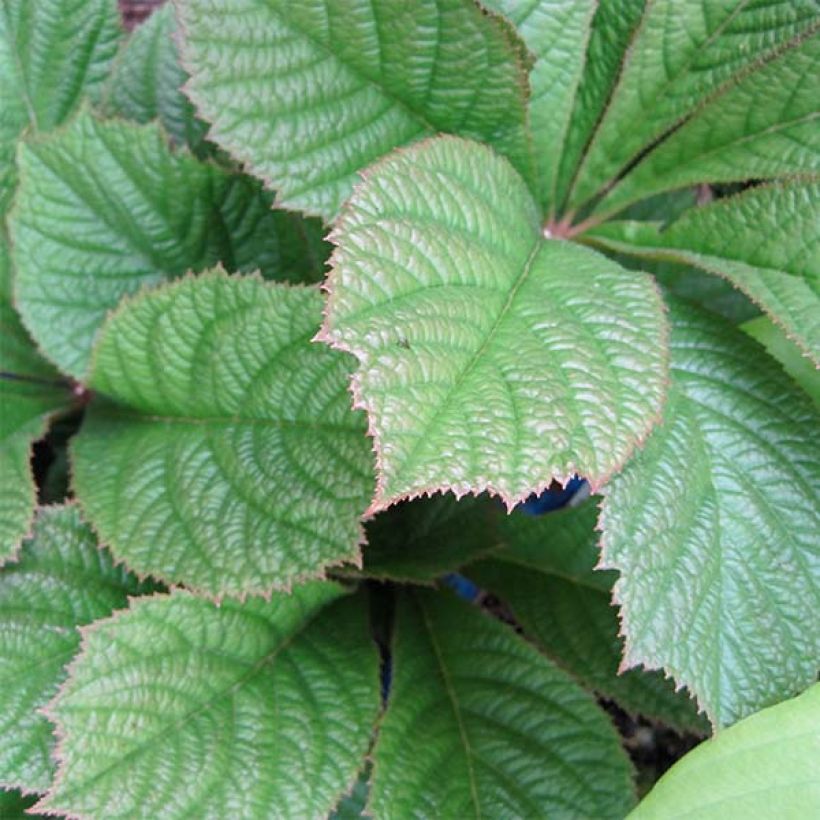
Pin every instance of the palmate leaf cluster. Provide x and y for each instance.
(571, 238)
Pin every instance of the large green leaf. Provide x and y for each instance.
(30, 392)
(179, 708)
(222, 451)
(52, 52)
(613, 26)
(62, 580)
(765, 241)
(713, 526)
(556, 32)
(766, 766)
(106, 208)
(489, 357)
(309, 93)
(147, 81)
(479, 724)
(682, 54)
(765, 126)
(545, 573)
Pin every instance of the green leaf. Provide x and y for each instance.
(556, 32)
(352, 806)
(765, 241)
(62, 580)
(763, 127)
(52, 52)
(147, 80)
(307, 94)
(545, 574)
(179, 708)
(480, 725)
(30, 392)
(222, 451)
(682, 54)
(489, 357)
(764, 767)
(613, 26)
(14, 805)
(106, 208)
(418, 541)
(713, 526)
(787, 353)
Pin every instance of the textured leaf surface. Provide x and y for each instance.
(52, 52)
(179, 708)
(765, 241)
(556, 32)
(787, 353)
(766, 126)
(545, 573)
(420, 540)
(489, 358)
(30, 391)
(766, 766)
(147, 81)
(713, 526)
(309, 93)
(105, 208)
(682, 54)
(227, 456)
(504, 733)
(62, 580)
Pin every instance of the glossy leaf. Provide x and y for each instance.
(178, 707)
(765, 766)
(30, 392)
(765, 241)
(544, 572)
(503, 731)
(556, 32)
(765, 126)
(224, 455)
(713, 527)
(52, 52)
(107, 208)
(787, 353)
(681, 55)
(61, 580)
(147, 81)
(465, 321)
(309, 93)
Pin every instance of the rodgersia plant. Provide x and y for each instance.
(560, 228)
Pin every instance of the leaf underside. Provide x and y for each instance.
(179, 708)
(222, 452)
(465, 321)
(714, 524)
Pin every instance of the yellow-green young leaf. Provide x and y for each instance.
(682, 54)
(147, 81)
(766, 766)
(766, 126)
(52, 53)
(787, 353)
(713, 527)
(556, 32)
(180, 708)
(30, 391)
(545, 572)
(309, 93)
(221, 451)
(106, 208)
(61, 580)
(765, 241)
(478, 724)
(490, 358)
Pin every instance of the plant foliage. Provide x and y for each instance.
(240, 470)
